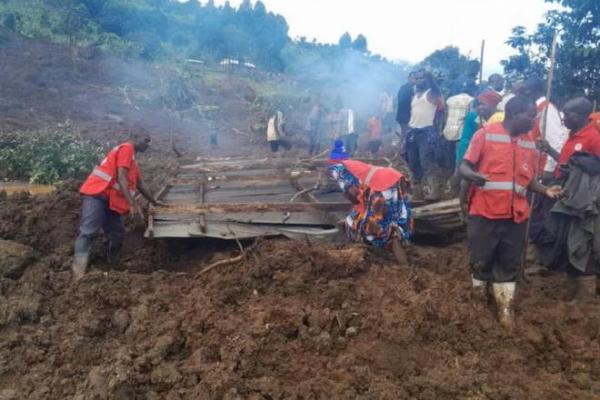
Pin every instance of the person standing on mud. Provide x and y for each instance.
(404, 98)
(422, 137)
(276, 132)
(347, 133)
(315, 127)
(105, 201)
(577, 169)
(501, 162)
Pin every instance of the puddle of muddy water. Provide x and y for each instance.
(15, 187)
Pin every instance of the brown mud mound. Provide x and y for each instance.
(46, 222)
(292, 321)
(49, 223)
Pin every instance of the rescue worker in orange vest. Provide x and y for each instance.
(501, 163)
(109, 193)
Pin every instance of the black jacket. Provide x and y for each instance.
(572, 227)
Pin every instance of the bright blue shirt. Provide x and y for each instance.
(470, 127)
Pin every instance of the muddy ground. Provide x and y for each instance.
(290, 320)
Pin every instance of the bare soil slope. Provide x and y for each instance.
(289, 321)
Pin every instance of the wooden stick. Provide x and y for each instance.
(242, 251)
(481, 78)
(231, 260)
(481, 62)
(543, 134)
(549, 87)
(227, 261)
(322, 154)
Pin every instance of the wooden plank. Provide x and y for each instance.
(244, 175)
(150, 227)
(249, 207)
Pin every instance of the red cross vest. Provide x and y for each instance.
(509, 163)
(103, 180)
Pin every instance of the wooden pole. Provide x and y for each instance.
(549, 86)
(481, 78)
(481, 63)
(543, 126)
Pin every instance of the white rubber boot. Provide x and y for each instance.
(479, 290)
(504, 294)
(79, 266)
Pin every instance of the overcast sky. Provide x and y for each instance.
(411, 29)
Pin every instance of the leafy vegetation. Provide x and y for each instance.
(447, 65)
(46, 158)
(578, 55)
(155, 28)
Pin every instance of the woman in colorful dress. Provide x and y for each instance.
(381, 211)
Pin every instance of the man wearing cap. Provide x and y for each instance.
(109, 193)
(485, 113)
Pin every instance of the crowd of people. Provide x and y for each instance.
(528, 172)
(324, 125)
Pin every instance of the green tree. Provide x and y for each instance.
(345, 41)
(577, 69)
(447, 64)
(360, 44)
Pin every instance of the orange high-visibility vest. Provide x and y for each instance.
(510, 164)
(103, 180)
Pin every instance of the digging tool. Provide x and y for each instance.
(544, 125)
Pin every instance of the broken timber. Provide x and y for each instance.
(242, 198)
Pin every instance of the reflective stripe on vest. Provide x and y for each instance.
(106, 177)
(505, 185)
(499, 138)
(496, 137)
(370, 175)
(102, 175)
(526, 144)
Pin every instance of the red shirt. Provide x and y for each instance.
(587, 140)
(126, 159)
(374, 125)
(509, 163)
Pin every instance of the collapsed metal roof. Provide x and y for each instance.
(241, 198)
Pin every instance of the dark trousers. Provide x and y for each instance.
(374, 145)
(575, 273)
(420, 151)
(274, 145)
(96, 217)
(446, 154)
(315, 142)
(495, 248)
(350, 142)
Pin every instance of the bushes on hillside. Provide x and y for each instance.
(46, 158)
